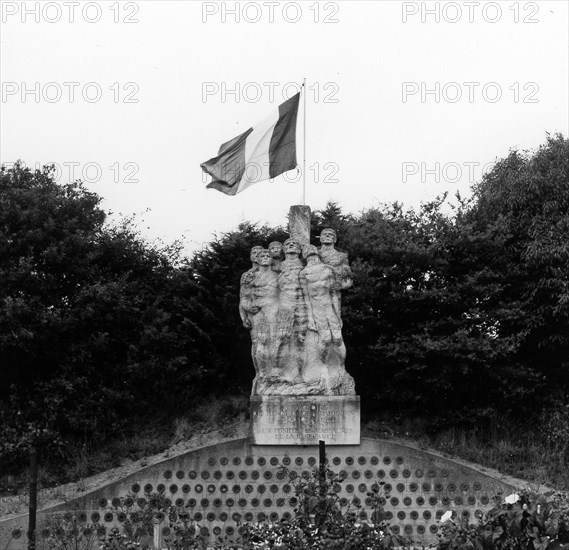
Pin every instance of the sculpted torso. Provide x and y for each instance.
(319, 279)
(335, 258)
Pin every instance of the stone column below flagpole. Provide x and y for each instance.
(299, 223)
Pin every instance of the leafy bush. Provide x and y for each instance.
(323, 520)
(528, 521)
(70, 532)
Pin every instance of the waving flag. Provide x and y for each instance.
(262, 152)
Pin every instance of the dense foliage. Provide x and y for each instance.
(97, 328)
(457, 314)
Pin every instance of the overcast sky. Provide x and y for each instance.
(405, 99)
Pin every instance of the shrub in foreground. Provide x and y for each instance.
(525, 521)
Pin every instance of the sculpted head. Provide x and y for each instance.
(328, 236)
(276, 249)
(264, 257)
(310, 250)
(291, 246)
(254, 253)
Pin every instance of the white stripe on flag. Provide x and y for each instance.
(257, 151)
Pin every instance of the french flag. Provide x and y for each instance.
(262, 152)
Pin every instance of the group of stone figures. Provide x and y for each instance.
(292, 307)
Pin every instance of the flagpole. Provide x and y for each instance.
(304, 146)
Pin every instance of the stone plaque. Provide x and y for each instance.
(304, 420)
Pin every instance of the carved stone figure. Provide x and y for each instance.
(245, 288)
(264, 308)
(325, 351)
(319, 285)
(292, 308)
(302, 393)
(335, 258)
(276, 250)
(291, 319)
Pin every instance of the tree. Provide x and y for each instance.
(522, 210)
(495, 339)
(97, 327)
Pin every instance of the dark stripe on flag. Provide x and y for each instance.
(228, 167)
(282, 149)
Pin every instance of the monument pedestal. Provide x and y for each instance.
(305, 419)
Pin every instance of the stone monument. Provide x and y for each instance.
(290, 301)
(301, 392)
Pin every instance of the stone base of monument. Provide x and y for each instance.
(305, 420)
(222, 481)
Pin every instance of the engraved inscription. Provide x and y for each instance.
(286, 422)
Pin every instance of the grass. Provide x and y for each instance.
(146, 438)
(539, 454)
(219, 413)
